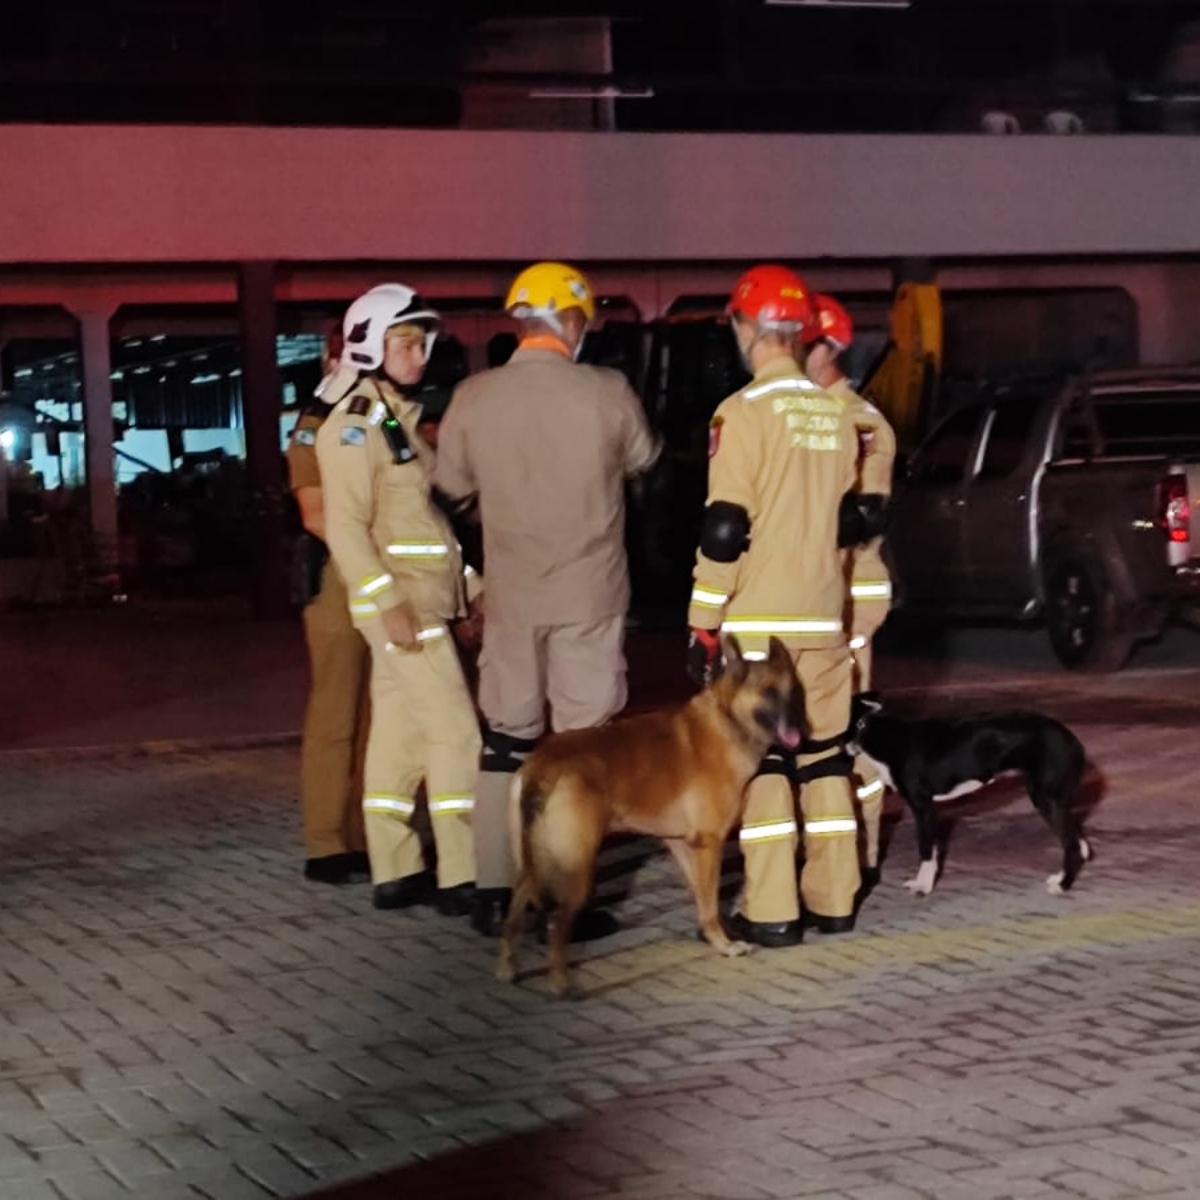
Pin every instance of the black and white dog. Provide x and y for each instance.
(931, 760)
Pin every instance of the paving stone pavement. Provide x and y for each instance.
(182, 1016)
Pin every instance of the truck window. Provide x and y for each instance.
(1007, 438)
(1148, 422)
(943, 460)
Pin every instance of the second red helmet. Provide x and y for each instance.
(833, 323)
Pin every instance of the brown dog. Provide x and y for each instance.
(680, 775)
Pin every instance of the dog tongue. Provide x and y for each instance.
(789, 737)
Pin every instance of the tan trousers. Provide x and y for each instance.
(423, 727)
(577, 671)
(336, 720)
(769, 837)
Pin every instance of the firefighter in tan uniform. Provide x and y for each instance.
(782, 455)
(869, 594)
(337, 714)
(403, 572)
(546, 444)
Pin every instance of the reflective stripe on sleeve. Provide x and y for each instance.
(706, 598)
(828, 826)
(418, 549)
(373, 585)
(363, 608)
(767, 831)
(871, 590)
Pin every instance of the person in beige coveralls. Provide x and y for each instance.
(869, 596)
(546, 444)
(401, 564)
(782, 454)
(338, 711)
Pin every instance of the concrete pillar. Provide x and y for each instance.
(261, 403)
(96, 354)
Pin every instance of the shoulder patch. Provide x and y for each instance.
(360, 406)
(714, 435)
(353, 435)
(305, 437)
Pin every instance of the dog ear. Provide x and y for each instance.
(732, 662)
(780, 656)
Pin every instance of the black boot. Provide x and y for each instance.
(829, 925)
(773, 935)
(405, 892)
(489, 907)
(455, 901)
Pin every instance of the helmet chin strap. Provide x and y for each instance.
(550, 318)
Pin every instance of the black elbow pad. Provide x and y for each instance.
(862, 517)
(725, 534)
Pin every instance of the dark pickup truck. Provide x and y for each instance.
(1067, 500)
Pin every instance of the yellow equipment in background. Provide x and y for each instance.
(904, 382)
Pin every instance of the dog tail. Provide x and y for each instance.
(518, 832)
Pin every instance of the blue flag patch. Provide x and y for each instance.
(352, 435)
(305, 437)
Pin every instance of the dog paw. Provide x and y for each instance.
(737, 949)
(506, 971)
(922, 883)
(1054, 884)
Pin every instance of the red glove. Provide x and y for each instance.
(703, 656)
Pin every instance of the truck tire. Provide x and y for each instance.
(1083, 617)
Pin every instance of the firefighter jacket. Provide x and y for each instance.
(865, 568)
(785, 451)
(547, 445)
(389, 541)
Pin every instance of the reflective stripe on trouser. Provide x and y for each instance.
(336, 719)
(831, 877)
(768, 839)
(868, 791)
(423, 727)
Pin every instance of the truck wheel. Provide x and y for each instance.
(1082, 616)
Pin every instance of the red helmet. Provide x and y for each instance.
(832, 323)
(774, 297)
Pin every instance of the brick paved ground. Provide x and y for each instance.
(181, 1016)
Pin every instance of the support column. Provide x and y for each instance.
(262, 398)
(95, 351)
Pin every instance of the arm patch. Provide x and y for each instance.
(725, 534)
(353, 435)
(305, 437)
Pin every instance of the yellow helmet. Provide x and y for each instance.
(546, 289)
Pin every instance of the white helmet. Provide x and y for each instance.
(373, 314)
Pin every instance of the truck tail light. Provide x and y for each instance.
(1174, 508)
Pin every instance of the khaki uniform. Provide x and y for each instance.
(391, 544)
(785, 450)
(869, 596)
(337, 715)
(547, 445)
